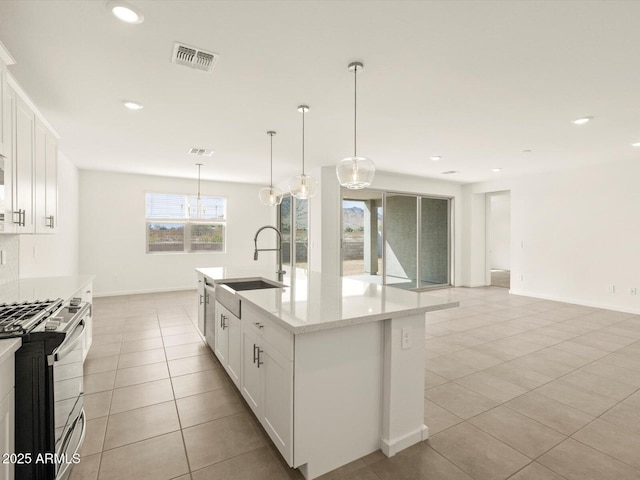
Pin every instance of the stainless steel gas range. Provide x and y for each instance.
(50, 422)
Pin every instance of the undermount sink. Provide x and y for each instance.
(249, 285)
(226, 292)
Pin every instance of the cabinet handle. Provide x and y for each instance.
(49, 221)
(206, 298)
(22, 217)
(255, 357)
(223, 323)
(259, 325)
(259, 362)
(201, 300)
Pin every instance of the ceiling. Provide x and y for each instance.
(476, 82)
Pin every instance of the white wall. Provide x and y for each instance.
(56, 254)
(325, 214)
(499, 231)
(112, 239)
(574, 233)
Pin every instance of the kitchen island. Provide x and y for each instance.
(333, 368)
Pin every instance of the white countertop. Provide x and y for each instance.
(31, 289)
(8, 347)
(313, 301)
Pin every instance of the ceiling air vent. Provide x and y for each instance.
(202, 152)
(193, 57)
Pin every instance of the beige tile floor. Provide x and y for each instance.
(515, 387)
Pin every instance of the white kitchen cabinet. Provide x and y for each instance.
(23, 150)
(45, 179)
(228, 342)
(209, 305)
(267, 377)
(201, 305)
(7, 224)
(221, 339)
(7, 409)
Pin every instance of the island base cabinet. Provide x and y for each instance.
(251, 375)
(228, 341)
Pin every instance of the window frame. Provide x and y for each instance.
(188, 223)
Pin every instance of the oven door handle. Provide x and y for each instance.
(68, 345)
(81, 418)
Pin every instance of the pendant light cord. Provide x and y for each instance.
(355, 109)
(303, 141)
(271, 182)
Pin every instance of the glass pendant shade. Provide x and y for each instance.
(303, 186)
(270, 196)
(355, 172)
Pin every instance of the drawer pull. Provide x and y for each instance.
(223, 321)
(259, 362)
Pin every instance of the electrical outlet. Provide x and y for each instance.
(633, 291)
(3, 257)
(115, 278)
(522, 277)
(611, 288)
(406, 338)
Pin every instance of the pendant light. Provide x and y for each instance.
(199, 207)
(303, 186)
(355, 172)
(270, 196)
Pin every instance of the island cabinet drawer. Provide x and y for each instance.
(267, 329)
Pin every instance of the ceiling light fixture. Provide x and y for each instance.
(355, 172)
(270, 196)
(199, 207)
(131, 105)
(496, 170)
(527, 151)
(435, 158)
(125, 12)
(303, 186)
(582, 120)
(636, 145)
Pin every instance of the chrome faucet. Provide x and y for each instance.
(280, 271)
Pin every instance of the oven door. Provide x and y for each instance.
(67, 362)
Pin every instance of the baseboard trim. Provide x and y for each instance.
(142, 292)
(391, 447)
(575, 301)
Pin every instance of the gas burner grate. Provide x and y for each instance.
(17, 319)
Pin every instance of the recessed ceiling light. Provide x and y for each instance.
(527, 151)
(583, 120)
(450, 172)
(496, 170)
(131, 105)
(435, 158)
(125, 12)
(637, 144)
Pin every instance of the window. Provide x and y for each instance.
(173, 224)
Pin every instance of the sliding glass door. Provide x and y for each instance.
(293, 223)
(411, 249)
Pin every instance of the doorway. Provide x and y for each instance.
(499, 239)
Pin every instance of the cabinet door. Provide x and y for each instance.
(39, 176)
(45, 179)
(51, 184)
(277, 411)
(234, 349)
(4, 118)
(210, 321)
(251, 378)
(222, 322)
(23, 167)
(7, 429)
(6, 162)
(201, 306)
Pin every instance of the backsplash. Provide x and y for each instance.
(9, 272)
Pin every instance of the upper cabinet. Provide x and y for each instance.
(28, 163)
